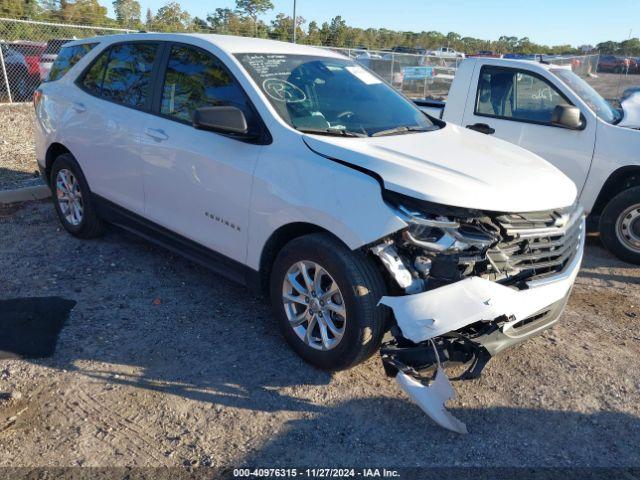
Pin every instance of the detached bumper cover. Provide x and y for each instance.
(430, 314)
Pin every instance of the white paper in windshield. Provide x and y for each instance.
(363, 75)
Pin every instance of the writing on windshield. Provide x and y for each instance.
(332, 95)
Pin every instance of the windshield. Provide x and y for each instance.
(332, 96)
(599, 105)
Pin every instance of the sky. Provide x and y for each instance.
(550, 22)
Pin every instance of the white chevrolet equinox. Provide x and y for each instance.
(295, 170)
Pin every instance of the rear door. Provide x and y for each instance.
(198, 183)
(517, 104)
(105, 117)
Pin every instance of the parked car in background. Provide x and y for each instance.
(536, 57)
(32, 52)
(17, 70)
(50, 54)
(615, 64)
(446, 52)
(486, 53)
(409, 50)
(554, 113)
(295, 170)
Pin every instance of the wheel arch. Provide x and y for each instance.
(54, 151)
(278, 239)
(621, 179)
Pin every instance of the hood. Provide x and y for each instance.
(456, 167)
(631, 109)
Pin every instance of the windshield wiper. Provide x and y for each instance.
(336, 132)
(402, 129)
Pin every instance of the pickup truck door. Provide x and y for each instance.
(516, 105)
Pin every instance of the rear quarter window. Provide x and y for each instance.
(67, 58)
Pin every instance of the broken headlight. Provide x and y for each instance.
(433, 230)
(440, 245)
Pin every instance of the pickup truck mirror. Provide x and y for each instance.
(224, 119)
(567, 116)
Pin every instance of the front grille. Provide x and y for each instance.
(540, 243)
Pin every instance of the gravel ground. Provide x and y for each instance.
(164, 363)
(611, 85)
(17, 151)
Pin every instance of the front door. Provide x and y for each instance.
(518, 105)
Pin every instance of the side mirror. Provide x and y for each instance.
(567, 116)
(223, 119)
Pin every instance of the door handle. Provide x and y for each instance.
(482, 128)
(157, 134)
(79, 107)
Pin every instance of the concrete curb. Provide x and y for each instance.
(37, 192)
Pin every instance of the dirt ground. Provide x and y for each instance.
(611, 86)
(17, 150)
(164, 363)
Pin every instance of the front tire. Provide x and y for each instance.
(325, 300)
(72, 199)
(620, 225)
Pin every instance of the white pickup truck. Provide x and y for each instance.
(554, 113)
(446, 52)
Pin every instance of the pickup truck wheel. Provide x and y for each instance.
(620, 225)
(72, 199)
(325, 299)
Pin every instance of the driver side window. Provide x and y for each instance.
(195, 79)
(516, 95)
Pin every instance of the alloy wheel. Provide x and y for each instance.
(69, 197)
(314, 305)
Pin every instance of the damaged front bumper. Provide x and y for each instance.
(468, 322)
(527, 311)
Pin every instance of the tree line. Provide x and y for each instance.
(246, 20)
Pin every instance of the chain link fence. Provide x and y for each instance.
(417, 76)
(28, 48)
(583, 65)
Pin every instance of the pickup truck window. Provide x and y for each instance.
(332, 96)
(516, 95)
(599, 105)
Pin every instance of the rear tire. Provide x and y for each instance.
(620, 225)
(360, 286)
(76, 211)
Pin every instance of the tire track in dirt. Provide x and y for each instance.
(114, 429)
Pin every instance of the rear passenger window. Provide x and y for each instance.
(92, 80)
(195, 79)
(67, 58)
(122, 74)
(127, 77)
